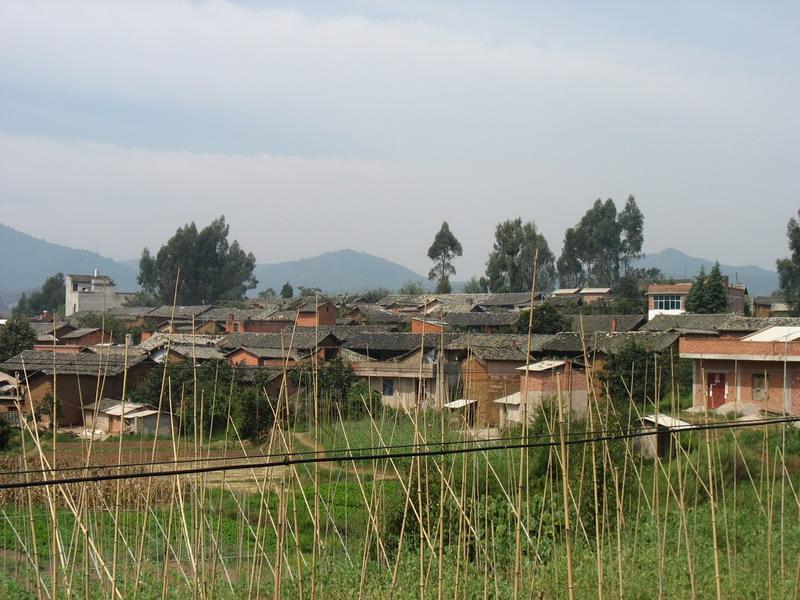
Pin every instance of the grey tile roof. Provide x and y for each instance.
(181, 312)
(497, 340)
(302, 340)
(480, 319)
(293, 354)
(72, 363)
(375, 314)
(222, 313)
(609, 343)
(394, 341)
(592, 323)
(45, 328)
(688, 323)
(122, 312)
(198, 352)
(159, 340)
(78, 333)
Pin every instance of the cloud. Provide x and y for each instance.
(319, 130)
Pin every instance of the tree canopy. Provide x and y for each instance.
(475, 285)
(789, 268)
(287, 291)
(411, 288)
(211, 269)
(602, 246)
(15, 336)
(708, 294)
(510, 264)
(546, 320)
(443, 250)
(50, 296)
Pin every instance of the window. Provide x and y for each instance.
(667, 302)
(760, 389)
(388, 387)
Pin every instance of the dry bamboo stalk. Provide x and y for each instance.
(565, 489)
(523, 451)
(279, 545)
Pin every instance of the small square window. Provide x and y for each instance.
(388, 387)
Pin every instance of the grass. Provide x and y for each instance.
(663, 529)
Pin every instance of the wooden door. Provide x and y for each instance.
(716, 389)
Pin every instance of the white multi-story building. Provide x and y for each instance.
(90, 292)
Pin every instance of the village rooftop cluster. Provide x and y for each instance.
(440, 351)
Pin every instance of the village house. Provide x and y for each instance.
(761, 370)
(670, 298)
(91, 293)
(312, 314)
(275, 349)
(487, 367)
(404, 368)
(74, 378)
(112, 416)
(770, 306)
(590, 295)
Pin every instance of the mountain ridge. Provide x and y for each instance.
(678, 264)
(344, 270)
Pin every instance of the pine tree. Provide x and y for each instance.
(716, 294)
(789, 268)
(696, 299)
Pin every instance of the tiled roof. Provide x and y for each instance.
(292, 354)
(609, 343)
(688, 323)
(375, 314)
(480, 319)
(122, 312)
(44, 328)
(301, 340)
(592, 323)
(497, 340)
(290, 316)
(198, 352)
(158, 340)
(181, 312)
(222, 313)
(394, 342)
(73, 363)
(79, 333)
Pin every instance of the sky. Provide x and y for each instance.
(320, 125)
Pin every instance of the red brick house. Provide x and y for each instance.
(761, 369)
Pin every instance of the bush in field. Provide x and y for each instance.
(216, 386)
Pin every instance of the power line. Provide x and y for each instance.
(288, 461)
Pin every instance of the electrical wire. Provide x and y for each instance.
(288, 461)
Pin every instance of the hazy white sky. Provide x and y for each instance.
(315, 126)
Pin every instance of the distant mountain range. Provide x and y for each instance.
(675, 263)
(340, 271)
(28, 261)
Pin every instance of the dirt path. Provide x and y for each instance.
(309, 442)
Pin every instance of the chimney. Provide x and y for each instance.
(96, 272)
(613, 324)
(229, 323)
(128, 339)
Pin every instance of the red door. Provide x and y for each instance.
(716, 390)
